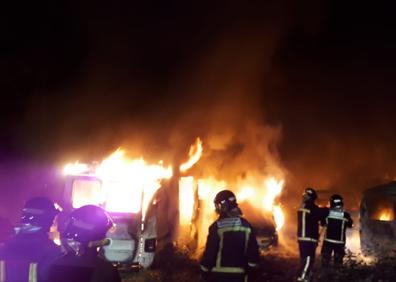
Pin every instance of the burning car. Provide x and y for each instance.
(377, 220)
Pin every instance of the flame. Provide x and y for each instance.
(279, 217)
(194, 154)
(386, 215)
(186, 203)
(263, 200)
(128, 185)
(274, 188)
(75, 168)
(245, 194)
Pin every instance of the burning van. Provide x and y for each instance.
(154, 204)
(125, 190)
(377, 220)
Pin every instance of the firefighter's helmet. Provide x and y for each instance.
(86, 224)
(38, 213)
(309, 194)
(225, 201)
(336, 201)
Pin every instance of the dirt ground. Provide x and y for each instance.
(276, 265)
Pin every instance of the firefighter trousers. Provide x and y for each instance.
(226, 277)
(307, 259)
(328, 250)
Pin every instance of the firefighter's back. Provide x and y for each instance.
(86, 268)
(28, 256)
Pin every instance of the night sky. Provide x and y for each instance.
(80, 78)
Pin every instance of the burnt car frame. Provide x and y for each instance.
(377, 220)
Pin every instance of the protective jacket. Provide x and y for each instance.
(337, 221)
(86, 268)
(231, 249)
(309, 215)
(27, 257)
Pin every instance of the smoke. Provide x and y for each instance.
(132, 90)
(252, 80)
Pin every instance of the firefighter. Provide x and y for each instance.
(84, 234)
(231, 249)
(309, 217)
(29, 253)
(337, 221)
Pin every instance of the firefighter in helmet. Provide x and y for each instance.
(337, 221)
(309, 217)
(231, 248)
(29, 253)
(84, 233)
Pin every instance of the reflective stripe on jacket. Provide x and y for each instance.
(309, 215)
(231, 247)
(337, 221)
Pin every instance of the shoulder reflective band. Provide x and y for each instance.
(251, 264)
(33, 211)
(336, 215)
(33, 272)
(2, 271)
(228, 269)
(204, 269)
(304, 210)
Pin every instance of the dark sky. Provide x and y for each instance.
(80, 78)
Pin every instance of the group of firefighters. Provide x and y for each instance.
(30, 255)
(231, 252)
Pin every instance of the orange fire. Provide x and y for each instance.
(187, 199)
(122, 181)
(264, 198)
(194, 154)
(386, 215)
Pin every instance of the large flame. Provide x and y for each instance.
(194, 154)
(128, 185)
(187, 199)
(263, 198)
(274, 188)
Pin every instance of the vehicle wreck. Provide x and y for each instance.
(377, 220)
(154, 205)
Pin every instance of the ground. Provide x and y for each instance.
(275, 266)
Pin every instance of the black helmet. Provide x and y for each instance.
(225, 201)
(309, 194)
(88, 223)
(39, 214)
(336, 201)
